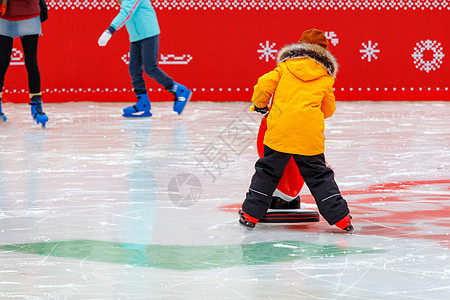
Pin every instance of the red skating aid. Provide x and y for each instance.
(290, 216)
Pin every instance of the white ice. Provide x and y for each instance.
(92, 176)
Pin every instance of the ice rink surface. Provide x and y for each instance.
(96, 206)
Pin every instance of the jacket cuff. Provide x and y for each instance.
(111, 29)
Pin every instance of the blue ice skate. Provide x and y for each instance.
(2, 115)
(140, 110)
(36, 111)
(182, 96)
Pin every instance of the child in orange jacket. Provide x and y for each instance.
(301, 89)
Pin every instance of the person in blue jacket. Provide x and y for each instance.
(141, 22)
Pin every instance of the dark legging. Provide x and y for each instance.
(30, 46)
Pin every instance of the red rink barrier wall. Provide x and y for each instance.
(387, 50)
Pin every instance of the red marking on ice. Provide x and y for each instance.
(392, 210)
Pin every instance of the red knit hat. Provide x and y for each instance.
(314, 36)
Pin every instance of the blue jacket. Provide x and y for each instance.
(139, 18)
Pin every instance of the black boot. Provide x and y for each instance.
(279, 203)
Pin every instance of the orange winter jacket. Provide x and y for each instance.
(301, 89)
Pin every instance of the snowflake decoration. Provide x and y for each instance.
(369, 51)
(332, 36)
(16, 57)
(259, 4)
(267, 51)
(126, 58)
(428, 65)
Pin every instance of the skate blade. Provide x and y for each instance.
(245, 228)
(144, 114)
(42, 124)
(350, 229)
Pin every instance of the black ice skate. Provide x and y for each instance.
(345, 224)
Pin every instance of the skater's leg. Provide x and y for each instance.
(30, 48)
(287, 192)
(135, 68)
(320, 181)
(2, 115)
(268, 172)
(142, 107)
(6, 44)
(149, 54)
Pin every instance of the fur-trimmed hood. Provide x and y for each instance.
(304, 50)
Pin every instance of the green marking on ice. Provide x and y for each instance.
(180, 257)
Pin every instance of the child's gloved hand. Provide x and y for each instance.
(260, 110)
(104, 38)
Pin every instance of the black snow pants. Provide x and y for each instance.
(317, 176)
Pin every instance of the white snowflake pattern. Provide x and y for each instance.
(332, 36)
(428, 65)
(126, 58)
(267, 52)
(369, 51)
(259, 4)
(16, 57)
